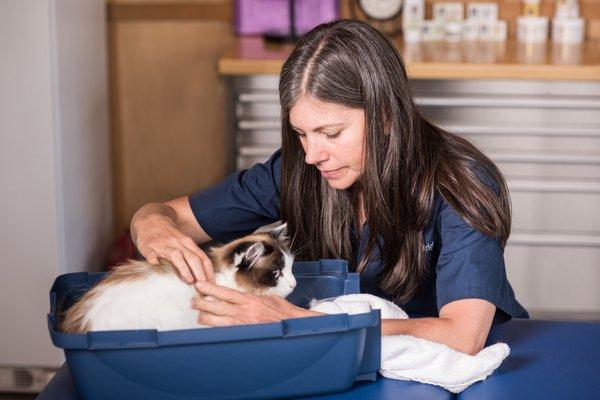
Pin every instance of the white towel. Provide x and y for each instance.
(410, 358)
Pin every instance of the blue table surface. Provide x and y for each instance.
(549, 360)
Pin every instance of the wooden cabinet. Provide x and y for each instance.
(169, 106)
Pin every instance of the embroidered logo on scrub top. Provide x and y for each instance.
(429, 246)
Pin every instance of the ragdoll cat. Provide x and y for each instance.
(139, 295)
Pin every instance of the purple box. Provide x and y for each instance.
(255, 17)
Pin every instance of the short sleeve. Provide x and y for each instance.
(241, 203)
(471, 265)
(482, 172)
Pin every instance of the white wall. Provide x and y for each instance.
(55, 213)
(82, 101)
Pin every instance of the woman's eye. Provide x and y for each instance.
(327, 135)
(333, 135)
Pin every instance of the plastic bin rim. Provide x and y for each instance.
(295, 327)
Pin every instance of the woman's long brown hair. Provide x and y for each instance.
(351, 63)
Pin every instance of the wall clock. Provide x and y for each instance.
(382, 14)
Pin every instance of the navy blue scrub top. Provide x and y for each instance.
(461, 262)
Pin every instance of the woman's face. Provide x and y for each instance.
(332, 137)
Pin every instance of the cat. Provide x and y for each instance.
(139, 295)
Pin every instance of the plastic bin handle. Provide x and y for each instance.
(122, 339)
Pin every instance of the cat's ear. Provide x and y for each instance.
(251, 255)
(279, 232)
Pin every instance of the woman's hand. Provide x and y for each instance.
(157, 237)
(232, 307)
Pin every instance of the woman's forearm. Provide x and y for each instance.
(441, 330)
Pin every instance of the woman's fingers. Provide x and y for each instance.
(208, 268)
(152, 258)
(169, 243)
(205, 261)
(194, 264)
(223, 293)
(230, 307)
(215, 307)
(178, 261)
(214, 320)
(191, 263)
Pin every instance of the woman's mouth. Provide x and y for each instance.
(332, 173)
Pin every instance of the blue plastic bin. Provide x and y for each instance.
(292, 358)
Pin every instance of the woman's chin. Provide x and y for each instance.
(340, 184)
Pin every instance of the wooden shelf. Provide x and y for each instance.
(442, 60)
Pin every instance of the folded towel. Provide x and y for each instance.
(411, 358)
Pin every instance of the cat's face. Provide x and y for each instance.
(260, 263)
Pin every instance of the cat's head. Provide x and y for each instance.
(259, 263)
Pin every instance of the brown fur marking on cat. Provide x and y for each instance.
(260, 276)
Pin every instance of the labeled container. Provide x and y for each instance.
(413, 15)
(532, 29)
(493, 31)
(568, 31)
(482, 11)
(291, 358)
(453, 31)
(432, 30)
(470, 29)
(448, 11)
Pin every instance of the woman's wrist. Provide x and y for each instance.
(394, 327)
(151, 215)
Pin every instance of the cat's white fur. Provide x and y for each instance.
(163, 301)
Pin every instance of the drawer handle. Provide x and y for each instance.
(521, 131)
(554, 186)
(254, 151)
(259, 97)
(512, 102)
(554, 240)
(545, 158)
(260, 124)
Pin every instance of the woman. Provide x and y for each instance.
(420, 213)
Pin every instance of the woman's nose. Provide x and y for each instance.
(314, 151)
